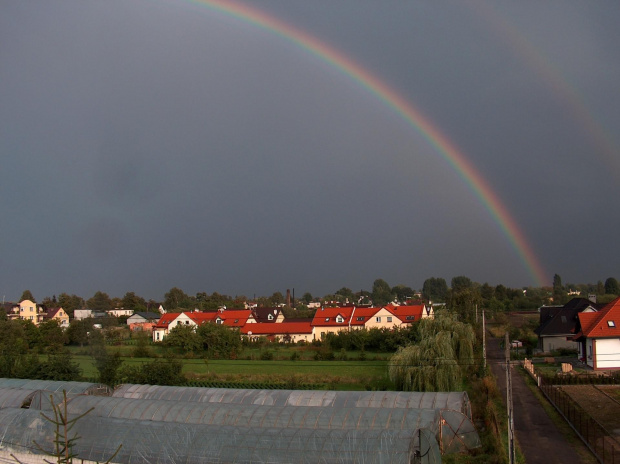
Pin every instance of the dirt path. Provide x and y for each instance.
(539, 439)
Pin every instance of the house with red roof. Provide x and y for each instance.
(232, 317)
(290, 332)
(169, 321)
(333, 320)
(404, 315)
(598, 337)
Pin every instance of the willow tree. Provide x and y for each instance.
(438, 361)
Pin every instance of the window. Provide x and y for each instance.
(339, 319)
(611, 324)
(327, 319)
(157, 335)
(389, 318)
(360, 318)
(186, 322)
(411, 318)
(378, 318)
(218, 321)
(270, 317)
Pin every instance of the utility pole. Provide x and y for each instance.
(484, 342)
(510, 409)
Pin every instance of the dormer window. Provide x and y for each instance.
(270, 317)
(360, 318)
(611, 324)
(339, 319)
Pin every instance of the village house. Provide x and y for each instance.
(270, 322)
(57, 314)
(557, 324)
(289, 332)
(84, 313)
(142, 321)
(118, 312)
(231, 318)
(598, 337)
(266, 315)
(29, 311)
(333, 320)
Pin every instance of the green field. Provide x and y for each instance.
(346, 375)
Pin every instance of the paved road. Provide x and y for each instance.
(539, 439)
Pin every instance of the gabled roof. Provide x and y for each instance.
(166, 319)
(602, 324)
(146, 315)
(201, 317)
(283, 328)
(262, 314)
(562, 320)
(51, 312)
(362, 315)
(327, 317)
(234, 317)
(407, 313)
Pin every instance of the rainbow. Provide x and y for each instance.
(364, 78)
(566, 94)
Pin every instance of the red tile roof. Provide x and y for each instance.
(234, 317)
(326, 317)
(601, 324)
(166, 319)
(282, 328)
(407, 313)
(362, 315)
(200, 317)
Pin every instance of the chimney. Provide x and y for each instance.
(288, 297)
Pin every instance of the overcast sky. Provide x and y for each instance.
(148, 144)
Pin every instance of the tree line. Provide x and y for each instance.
(435, 289)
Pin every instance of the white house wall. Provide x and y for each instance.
(607, 353)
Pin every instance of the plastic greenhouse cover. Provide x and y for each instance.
(15, 397)
(55, 386)
(256, 416)
(163, 443)
(458, 401)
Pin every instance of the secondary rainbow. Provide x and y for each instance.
(557, 81)
(401, 106)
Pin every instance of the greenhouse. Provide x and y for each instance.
(457, 401)
(86, 388)
(171, 443)
(186, 425)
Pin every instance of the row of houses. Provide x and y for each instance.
(583, 325)
(30, 311)
(270, 322)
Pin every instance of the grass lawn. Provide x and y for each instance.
(354, 375)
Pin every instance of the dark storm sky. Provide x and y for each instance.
(148, 144)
